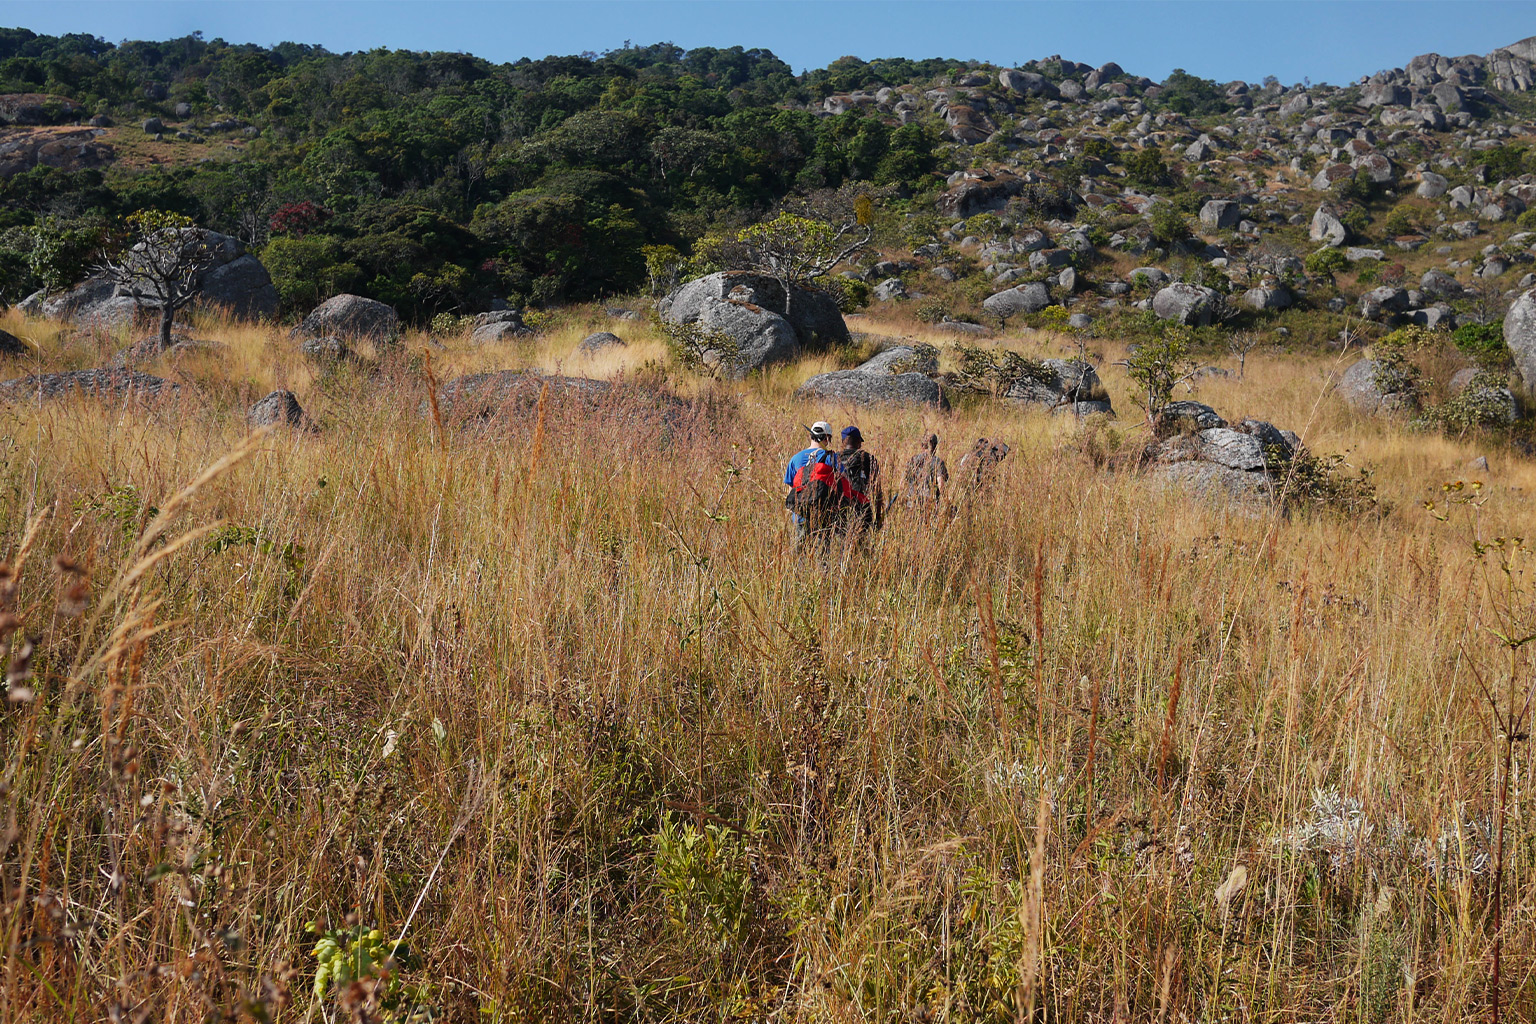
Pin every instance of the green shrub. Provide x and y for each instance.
(1146, 168)
(1159, 364)
(1319, 482)
(1325, 263)
(1484, 402)
(851, 294)
(1482, 342)
(1527, 220)
(1400, 221)
(1356, 219)
(1168, 224)
(445, 324)
(932, 311)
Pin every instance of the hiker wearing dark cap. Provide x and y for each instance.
(863, 471)
(818, 486)
(926, 477)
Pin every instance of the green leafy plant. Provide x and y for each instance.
(1483, 342)
(1325, 263)
(704, 876)
(851, 294)
(1160, 364)
(1396, 373)
(1169, 224)
(1324, 483)
(932, 311)
(699, 348)
(448, 324)
(664, 266)
(996, 371)
(1485, 402)
(366, 956)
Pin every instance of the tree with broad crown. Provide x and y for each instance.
(163, 269)
(795, 250)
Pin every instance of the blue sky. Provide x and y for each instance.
(1325, 40)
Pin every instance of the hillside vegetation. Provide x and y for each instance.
(487, 685)
(551, 698)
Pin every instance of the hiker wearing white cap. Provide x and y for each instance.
(818, 486)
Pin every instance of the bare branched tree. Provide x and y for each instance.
(163, 269)
(1240, 343)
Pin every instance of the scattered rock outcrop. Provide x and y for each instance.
(279, 407)
(1192, 304)
(1060, 383)
(499, 325)
(859, 387)
(1245, 462)
(902, 359)
(599, 342)
(12, 347)
(351, 316)
(109, 384)
(751, 310)
(1361, 387)
(1024, 298)
(235, 280)
(73, 149)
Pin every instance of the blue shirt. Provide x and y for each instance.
(804, 459)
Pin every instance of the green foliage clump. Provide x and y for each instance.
(705, 878)
(1321, 483)
(1485, 402)
(1357, 188)
(996, 371)
(1396, 373)
(1483, 342)
(1402, 220)
(698, 348)
(1159, 364)
(449, 324)
(1325, 263)
(1146, 168)
(1506, 161)
(932, 311)
(365, 955)
(1184, 93)
(1169, 225)
(1356, 219)
(851, 294)
(1527, 220)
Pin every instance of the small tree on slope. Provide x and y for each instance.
(163, 269)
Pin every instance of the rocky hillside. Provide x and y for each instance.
(441, 183)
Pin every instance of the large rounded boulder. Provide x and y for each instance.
(763, 324)
(1182, 303)
(233, 280)
(1059, 382)
(1025, 298)
(1520, 336)
(1361, 388)
(858, 387)
(351, 316)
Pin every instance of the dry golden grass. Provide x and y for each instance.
(554, 700)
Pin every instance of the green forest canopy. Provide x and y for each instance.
(435, 181)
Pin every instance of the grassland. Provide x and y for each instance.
(554, 701)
